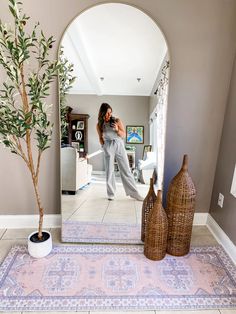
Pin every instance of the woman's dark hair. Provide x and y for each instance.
(102, 112)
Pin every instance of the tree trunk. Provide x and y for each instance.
(39, 207)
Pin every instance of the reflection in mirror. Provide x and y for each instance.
(125, 65)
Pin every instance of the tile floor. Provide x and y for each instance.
(91, 204)
(200, 236)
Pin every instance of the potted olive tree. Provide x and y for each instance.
(25, 126)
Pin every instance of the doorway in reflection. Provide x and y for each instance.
(126, 65)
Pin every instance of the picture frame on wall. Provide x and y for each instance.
(80, 125)
(146, 149)
(134, 134)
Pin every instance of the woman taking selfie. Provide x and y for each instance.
(111, 133)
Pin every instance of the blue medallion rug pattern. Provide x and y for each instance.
(116, 277)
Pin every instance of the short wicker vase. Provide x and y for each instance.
(147, 207)
(156, 232)
(181, 197)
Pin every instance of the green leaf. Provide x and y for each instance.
(13, 12)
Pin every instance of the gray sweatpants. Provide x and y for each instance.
(115, 149)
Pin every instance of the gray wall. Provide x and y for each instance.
(202, 46)
(226, 216)
(132, 110)
(201, 39)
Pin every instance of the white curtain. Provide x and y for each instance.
(157, 125)
(153, 132)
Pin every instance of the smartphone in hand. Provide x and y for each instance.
(112, 121)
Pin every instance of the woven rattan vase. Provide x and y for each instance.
(180, 211)
(156, 232)
(148, 203)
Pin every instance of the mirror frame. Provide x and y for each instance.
(168, 58)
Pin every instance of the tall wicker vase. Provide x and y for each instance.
(147, 207)
(181, 197)
(156, 232)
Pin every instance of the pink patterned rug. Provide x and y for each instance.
(95, 232)
(115, 277)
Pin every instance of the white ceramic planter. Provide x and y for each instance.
(40, 249)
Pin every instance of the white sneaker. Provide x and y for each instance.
(110, 198)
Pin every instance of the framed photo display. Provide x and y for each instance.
(80, 125)
(134, 134)
(146, 149)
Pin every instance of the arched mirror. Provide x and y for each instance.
(119, 56)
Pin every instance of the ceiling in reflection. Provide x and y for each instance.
(116, 49)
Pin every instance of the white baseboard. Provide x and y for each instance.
(200, 219)
(222, 237)
(28, 221)
(99, 172)
(54, 221)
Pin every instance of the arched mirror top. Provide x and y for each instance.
(116, 49)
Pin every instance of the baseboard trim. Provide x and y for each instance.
(54, 221)
(28, 221)
(200, 219)
(222, 237)
(98, 172)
